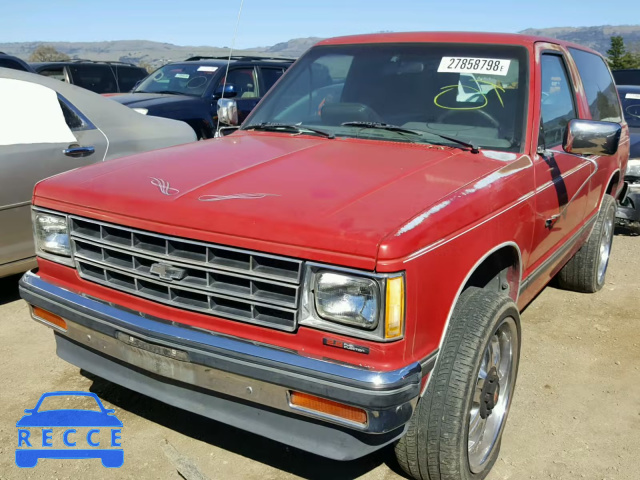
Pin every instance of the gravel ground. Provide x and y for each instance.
(575, 415)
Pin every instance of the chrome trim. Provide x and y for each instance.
(214, 361)
(309, 316)
(227, 282)
(43, 321)
(591, 137)
(62, 259)
(326, 416)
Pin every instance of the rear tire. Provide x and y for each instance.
(445, 438)
(586, 271)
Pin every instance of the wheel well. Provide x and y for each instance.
(500, 272)
(613, 183)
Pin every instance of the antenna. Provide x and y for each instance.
(226, 73)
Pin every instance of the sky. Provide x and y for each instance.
(263, 23)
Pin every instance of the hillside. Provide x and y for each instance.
(597, 38)
(158, 53)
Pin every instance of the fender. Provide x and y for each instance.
(459, 292)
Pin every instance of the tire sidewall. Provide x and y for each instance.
(608, 212)
(507, 309)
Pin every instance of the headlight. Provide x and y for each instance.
(51, 235)
(347, 299)
(350, 302)
(633, 168)
(143, 111)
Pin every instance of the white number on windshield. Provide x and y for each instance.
(491, 66)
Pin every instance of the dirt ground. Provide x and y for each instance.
(575, 415)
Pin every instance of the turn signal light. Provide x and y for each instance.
(394, 318)
(328, 407)
(48, 317)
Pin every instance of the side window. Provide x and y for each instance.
(128, 76)
(598, 86)
(244, 80)
(558, 104)
(8, 63)
(97, 78)
(72, 118)
(270, 76)
(54, 72)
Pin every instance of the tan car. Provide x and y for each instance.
(48, 127)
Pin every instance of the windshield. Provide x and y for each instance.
(474, 93)
(185, 79)
(631, 107)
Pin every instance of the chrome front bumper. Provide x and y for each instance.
(237, 382)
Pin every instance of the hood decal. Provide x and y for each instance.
(236, 196)
(164, 186)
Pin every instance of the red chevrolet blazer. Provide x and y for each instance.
(345, 270)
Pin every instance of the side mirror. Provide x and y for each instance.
(588, 137)
(228, 92)
(228, 111)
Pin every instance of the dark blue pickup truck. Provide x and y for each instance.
(189, 90)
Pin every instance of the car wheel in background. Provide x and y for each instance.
(586, 270)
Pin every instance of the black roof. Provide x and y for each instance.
(247, 58)
(82, 60)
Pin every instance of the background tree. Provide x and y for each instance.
(146, 65)
(46, 53)
(619, 58)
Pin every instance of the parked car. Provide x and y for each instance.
(628, 213)
(47, 127)
(627, 77)
(9, 61)
(99, 77)
(347, 270)
(188, 90)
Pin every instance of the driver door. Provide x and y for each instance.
(561, 178)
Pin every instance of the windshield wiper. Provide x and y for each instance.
(284, 127)
(395, 128)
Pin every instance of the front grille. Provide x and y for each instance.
(227, 282)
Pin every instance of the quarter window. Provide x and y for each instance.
(71, 118)
(55, 72)
(271, 76)
(598, 86)
(558, 105)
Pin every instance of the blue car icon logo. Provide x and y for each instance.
(85, 433)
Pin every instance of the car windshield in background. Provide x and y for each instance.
(631, 106)
(185, 79)
(473, 93)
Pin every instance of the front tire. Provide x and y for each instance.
(457, 427)
(586, 270)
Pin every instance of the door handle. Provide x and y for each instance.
(76, 151)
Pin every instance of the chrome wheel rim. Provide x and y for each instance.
(605, 249)
(498, 363)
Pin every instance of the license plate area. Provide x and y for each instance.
(152, 347)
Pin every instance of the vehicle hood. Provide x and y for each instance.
(155, 100)
(69, 418)
(292, 195)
